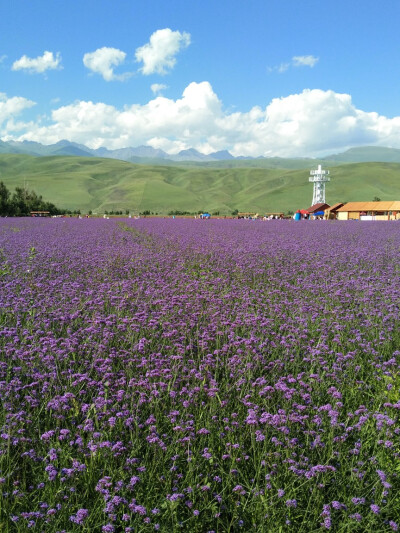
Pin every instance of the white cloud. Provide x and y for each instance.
(304, 61)
(296, 61)
(168, 145)
(311, 123)
(11, 107)
(158, 56)
(283, 67)
(157, 87)
(104, 60)
(39, 64)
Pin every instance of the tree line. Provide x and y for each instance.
(22, 201)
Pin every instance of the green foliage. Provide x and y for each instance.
(177, 212)
(22, 202)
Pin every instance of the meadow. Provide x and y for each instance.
(96, 184)
(199, 376)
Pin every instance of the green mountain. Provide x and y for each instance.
(366, 154)
(99, 184)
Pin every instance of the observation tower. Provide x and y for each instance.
(319, 177)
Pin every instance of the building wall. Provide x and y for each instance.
(356, 215)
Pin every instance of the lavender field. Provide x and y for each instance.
(199, 376)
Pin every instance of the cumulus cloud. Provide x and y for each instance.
(11, 107)
(38, 65)
(304, 61)
(156, 88)
(104, 60)
(158, 55)
(311, 123)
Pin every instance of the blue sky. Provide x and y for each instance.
(255, 77)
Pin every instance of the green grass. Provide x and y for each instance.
(107, 184)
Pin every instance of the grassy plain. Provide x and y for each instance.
(97, 184)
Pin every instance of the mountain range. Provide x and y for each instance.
(191, 156)
(125, 154)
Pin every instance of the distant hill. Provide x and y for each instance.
(99, 184)
(59, 148)
(126, 154)
(8, 148)
(222, 159)
(367, 154)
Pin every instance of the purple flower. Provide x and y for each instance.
(131, 331)
(80, 516)
(358, 501)
(133, 481)
(51, 472)
(337, 505)
(327, 523)
(291, 503)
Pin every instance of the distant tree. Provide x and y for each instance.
(4, 200)
(22, 202)
(177, 212)
(19, 205)
(235, 212)
(126, 211)
(376, 199)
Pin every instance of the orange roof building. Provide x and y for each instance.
(383, 210)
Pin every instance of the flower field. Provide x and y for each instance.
(199, 376)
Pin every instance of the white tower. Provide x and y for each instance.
(319, 177)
